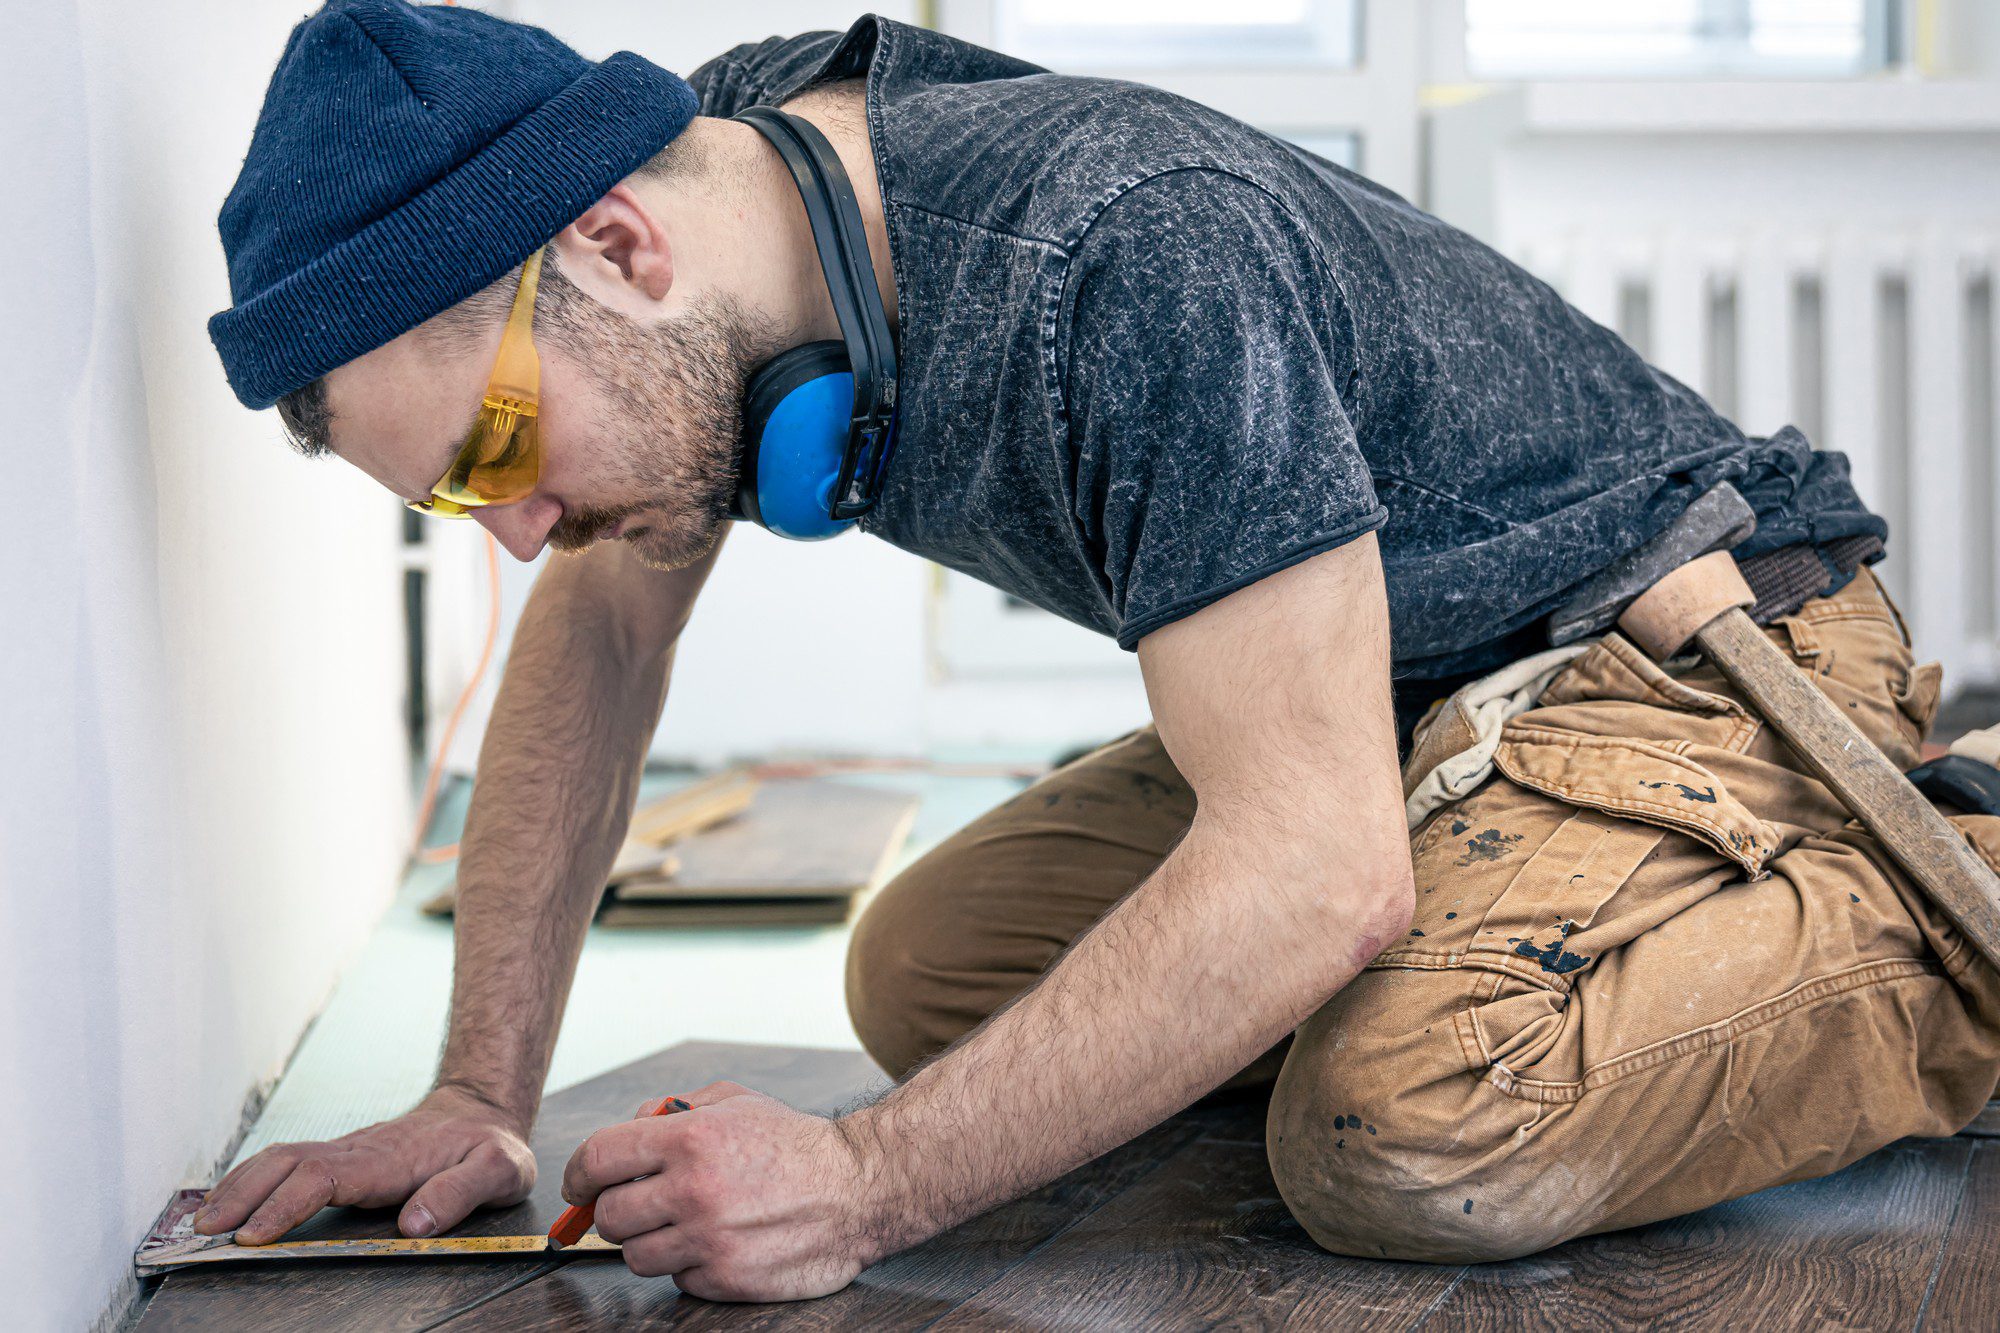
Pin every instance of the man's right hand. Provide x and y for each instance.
(452, 1153)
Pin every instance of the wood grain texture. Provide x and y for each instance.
(907, 1291)
(1673, 610)
(1924, 842)
(413, 1293)
(692, 808)
(1202, 1242)
(1965, 1287)
(1854, 1250)
(800, 837)
(1183, 1228)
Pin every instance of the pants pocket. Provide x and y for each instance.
(1917, 697)
(1653, 782)
(1539, 928)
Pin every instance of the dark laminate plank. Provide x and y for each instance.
(1202, 1242)
(1965, 1294)
(337, 1295)
(906, 1291)
(1854, 1250)
(411, 1294)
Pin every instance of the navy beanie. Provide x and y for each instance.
(406, 157)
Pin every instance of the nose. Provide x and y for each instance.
(521, 527)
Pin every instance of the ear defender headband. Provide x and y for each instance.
(819, 420)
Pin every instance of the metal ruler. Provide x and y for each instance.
(175, 1254)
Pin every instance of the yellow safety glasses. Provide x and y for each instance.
(501, 460)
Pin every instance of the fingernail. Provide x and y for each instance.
(420, 1223)
(202, 1217)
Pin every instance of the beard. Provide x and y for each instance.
(673, 390)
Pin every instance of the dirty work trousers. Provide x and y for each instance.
(1654, 964)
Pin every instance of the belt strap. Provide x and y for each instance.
(1786, 579)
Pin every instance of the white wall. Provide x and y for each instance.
(203, 793)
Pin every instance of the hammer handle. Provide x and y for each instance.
(1924, 842)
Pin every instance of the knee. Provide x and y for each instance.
(904, 975)
(884, 982)
(1375, 1162)
(1351, 1201)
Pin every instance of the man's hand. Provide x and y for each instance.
(740, 1199)
(451, 1154)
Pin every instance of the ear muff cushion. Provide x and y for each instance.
(796, 414)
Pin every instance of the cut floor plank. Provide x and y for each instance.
(1852, 1250)
(412, 1294)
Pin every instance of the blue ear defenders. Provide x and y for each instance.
(819, 420)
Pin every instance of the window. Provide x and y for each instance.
(1152, 33)
(1678, 38)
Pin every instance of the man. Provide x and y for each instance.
(1271, 427)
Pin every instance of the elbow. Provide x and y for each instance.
(1384, 915)
(1370, 913)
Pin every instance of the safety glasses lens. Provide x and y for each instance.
(500, 464)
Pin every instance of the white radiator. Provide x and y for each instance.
(1881, 346)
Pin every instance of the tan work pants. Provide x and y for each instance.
(1654, 965)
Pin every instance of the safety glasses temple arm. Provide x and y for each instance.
(517, 371)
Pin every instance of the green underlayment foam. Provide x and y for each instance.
(373, 1050)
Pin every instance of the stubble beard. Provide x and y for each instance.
(674, 391)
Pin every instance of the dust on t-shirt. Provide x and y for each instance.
(1151, 354)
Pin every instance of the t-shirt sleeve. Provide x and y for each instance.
(1206, 353)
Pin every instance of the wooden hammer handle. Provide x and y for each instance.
(1924, 842)
(1702, 602)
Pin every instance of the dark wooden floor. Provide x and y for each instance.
(1183, 1229)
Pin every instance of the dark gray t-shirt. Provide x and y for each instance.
(1151, 355)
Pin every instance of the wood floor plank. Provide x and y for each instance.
(1202, 1242)
(1965, 1294)
(1182, 1228)
(1854, 1250)
(907, 1291)
(410, 1295)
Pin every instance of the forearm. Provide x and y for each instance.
(558, 774)
(1230, 944)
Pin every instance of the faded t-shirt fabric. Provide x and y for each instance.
(1150, 355)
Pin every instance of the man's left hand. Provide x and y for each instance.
(739, 1199)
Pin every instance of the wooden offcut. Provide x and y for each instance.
(796, 852)
(655, 826)
(800, 837)
(798, 856)
(690, 809)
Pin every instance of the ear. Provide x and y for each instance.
(618, 253)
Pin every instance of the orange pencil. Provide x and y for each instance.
(577, 1218)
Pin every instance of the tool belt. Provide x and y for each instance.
(1786, 579)
(1452, 751)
